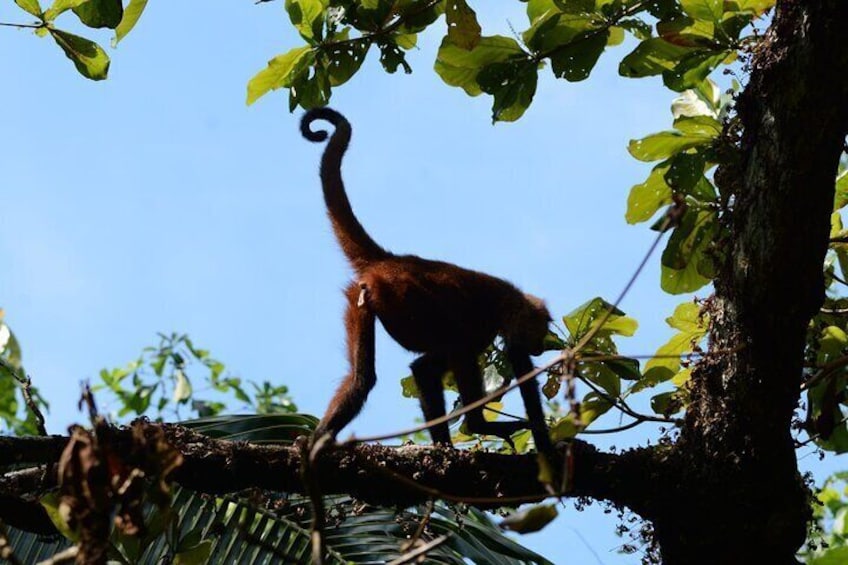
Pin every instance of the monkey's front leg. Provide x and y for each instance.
(353, 390)
(521, 365)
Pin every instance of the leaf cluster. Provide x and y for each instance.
(87, 56)
(161, 380)
(681, 40)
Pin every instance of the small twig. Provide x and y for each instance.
(22, 26)
(838, 279)
(502, 413)
(623, 406)
(825, 372)
(422, 525)
(632, 424)
(413, 556)
(26, 389)
(817, 435)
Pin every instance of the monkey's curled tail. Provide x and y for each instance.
(357, 245)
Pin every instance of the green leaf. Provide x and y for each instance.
(89, 59)
(840, 199)
(706, 126)
(637, 27)
(648, 197)
(463, 28)
(307, 16)
(512, 84)
(693, 69)
(416, 19)
(685, 171)
(582, 319)
(31, 6)
(564, 428)
(593, 407)
(756, 7)
(665, 144)
(280, 72)
(685, 263)
(832, 556)
(131, 15)
(703, 9)
(616, 36)
(627, 369)
(392, 57)
(575, 60)
(652, 57)
(408, 387)
(530, 519)
(692, 329)
(100, 13)
(345, 59)
(60, 6)
(686, 32)
(51, 504)
(666, 403)
(196, 555)
(460, 67)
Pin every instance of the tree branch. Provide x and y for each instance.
(487, 479)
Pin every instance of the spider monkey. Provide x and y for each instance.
(446, 313)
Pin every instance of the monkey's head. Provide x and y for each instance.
(531, 325)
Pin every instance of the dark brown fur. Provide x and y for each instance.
(446, 313)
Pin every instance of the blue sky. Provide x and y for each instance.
(158, 201)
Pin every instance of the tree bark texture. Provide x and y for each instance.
(739, 496)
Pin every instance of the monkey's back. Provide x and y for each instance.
(437, 307)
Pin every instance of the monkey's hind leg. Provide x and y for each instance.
(354, 389)
(427, 371)
(470, 384)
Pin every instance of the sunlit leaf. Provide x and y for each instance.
(646, 198)
(840, 199)
(307, 17)
(60, 6)
(652, 57)
(279, 73)
(756, 7)
(703, 9)
(131, 15)
(530, 519)
(665, 144)
(693, 68)
(460, 67)
(31, 6)
(89, 59)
